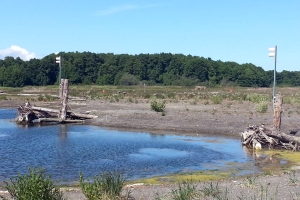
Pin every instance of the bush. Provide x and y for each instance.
(2, 97)
(158, 106)
(171, 95)
(35, 185)
(106, 186)
(216, 99)
(146, 96)
(261, 107)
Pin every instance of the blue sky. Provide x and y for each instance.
(226, 30)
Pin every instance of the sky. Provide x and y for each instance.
(241, 31)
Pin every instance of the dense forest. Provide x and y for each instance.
(152, 69)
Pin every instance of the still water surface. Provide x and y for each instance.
(66, 150)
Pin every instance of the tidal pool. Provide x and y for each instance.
(66, 150)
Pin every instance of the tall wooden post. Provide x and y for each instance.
(277, 111)
(61, 88)
(65, 90)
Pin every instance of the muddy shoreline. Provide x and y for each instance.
(182, 117)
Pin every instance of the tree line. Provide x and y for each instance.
(152, 69)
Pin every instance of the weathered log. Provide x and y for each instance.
(80, 115)
(45, 109)
(59, 120)
(71, 114)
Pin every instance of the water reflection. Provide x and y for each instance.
(63, 129)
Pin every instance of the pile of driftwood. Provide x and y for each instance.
(258, 137)
(33, 114)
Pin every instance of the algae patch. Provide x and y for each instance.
(194, 177)
(277, 161)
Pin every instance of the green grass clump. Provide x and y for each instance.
(46, 98)
(291, 100)
(171, 95)
(3, 97)
(146, 96)
(35, 185)
(185, 191)
(216, 99)
(158, 105)
(106, 186)
(261, 107)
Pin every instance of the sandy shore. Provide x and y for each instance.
(183, 117)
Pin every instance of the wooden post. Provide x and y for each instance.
(65, 90)
(277, 111)
(61, 86)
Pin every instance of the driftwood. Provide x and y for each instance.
(258, 137)
(34, 114)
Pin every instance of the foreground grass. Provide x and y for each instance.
(208, 185)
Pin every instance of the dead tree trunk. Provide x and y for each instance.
(65, 89)
(277, 112)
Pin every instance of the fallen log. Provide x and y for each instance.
(80, 115)
(59, 120)
(72, 114)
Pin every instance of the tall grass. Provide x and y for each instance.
(35, 185)
(185, 191)
(3, 97)
(107, 186)
(261, 107)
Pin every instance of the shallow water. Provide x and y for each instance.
(66, 150)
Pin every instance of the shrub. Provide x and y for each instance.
(159, 96)
(35, 185)
(216, 99)
(256, 98)
(40, 98)
(2, 97)
(49, 98)
(146, 96)
(171, 95)
(261, 107)
(158, 106)
(106, 186)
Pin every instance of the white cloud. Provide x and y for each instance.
(16, 51)
(119, 9)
